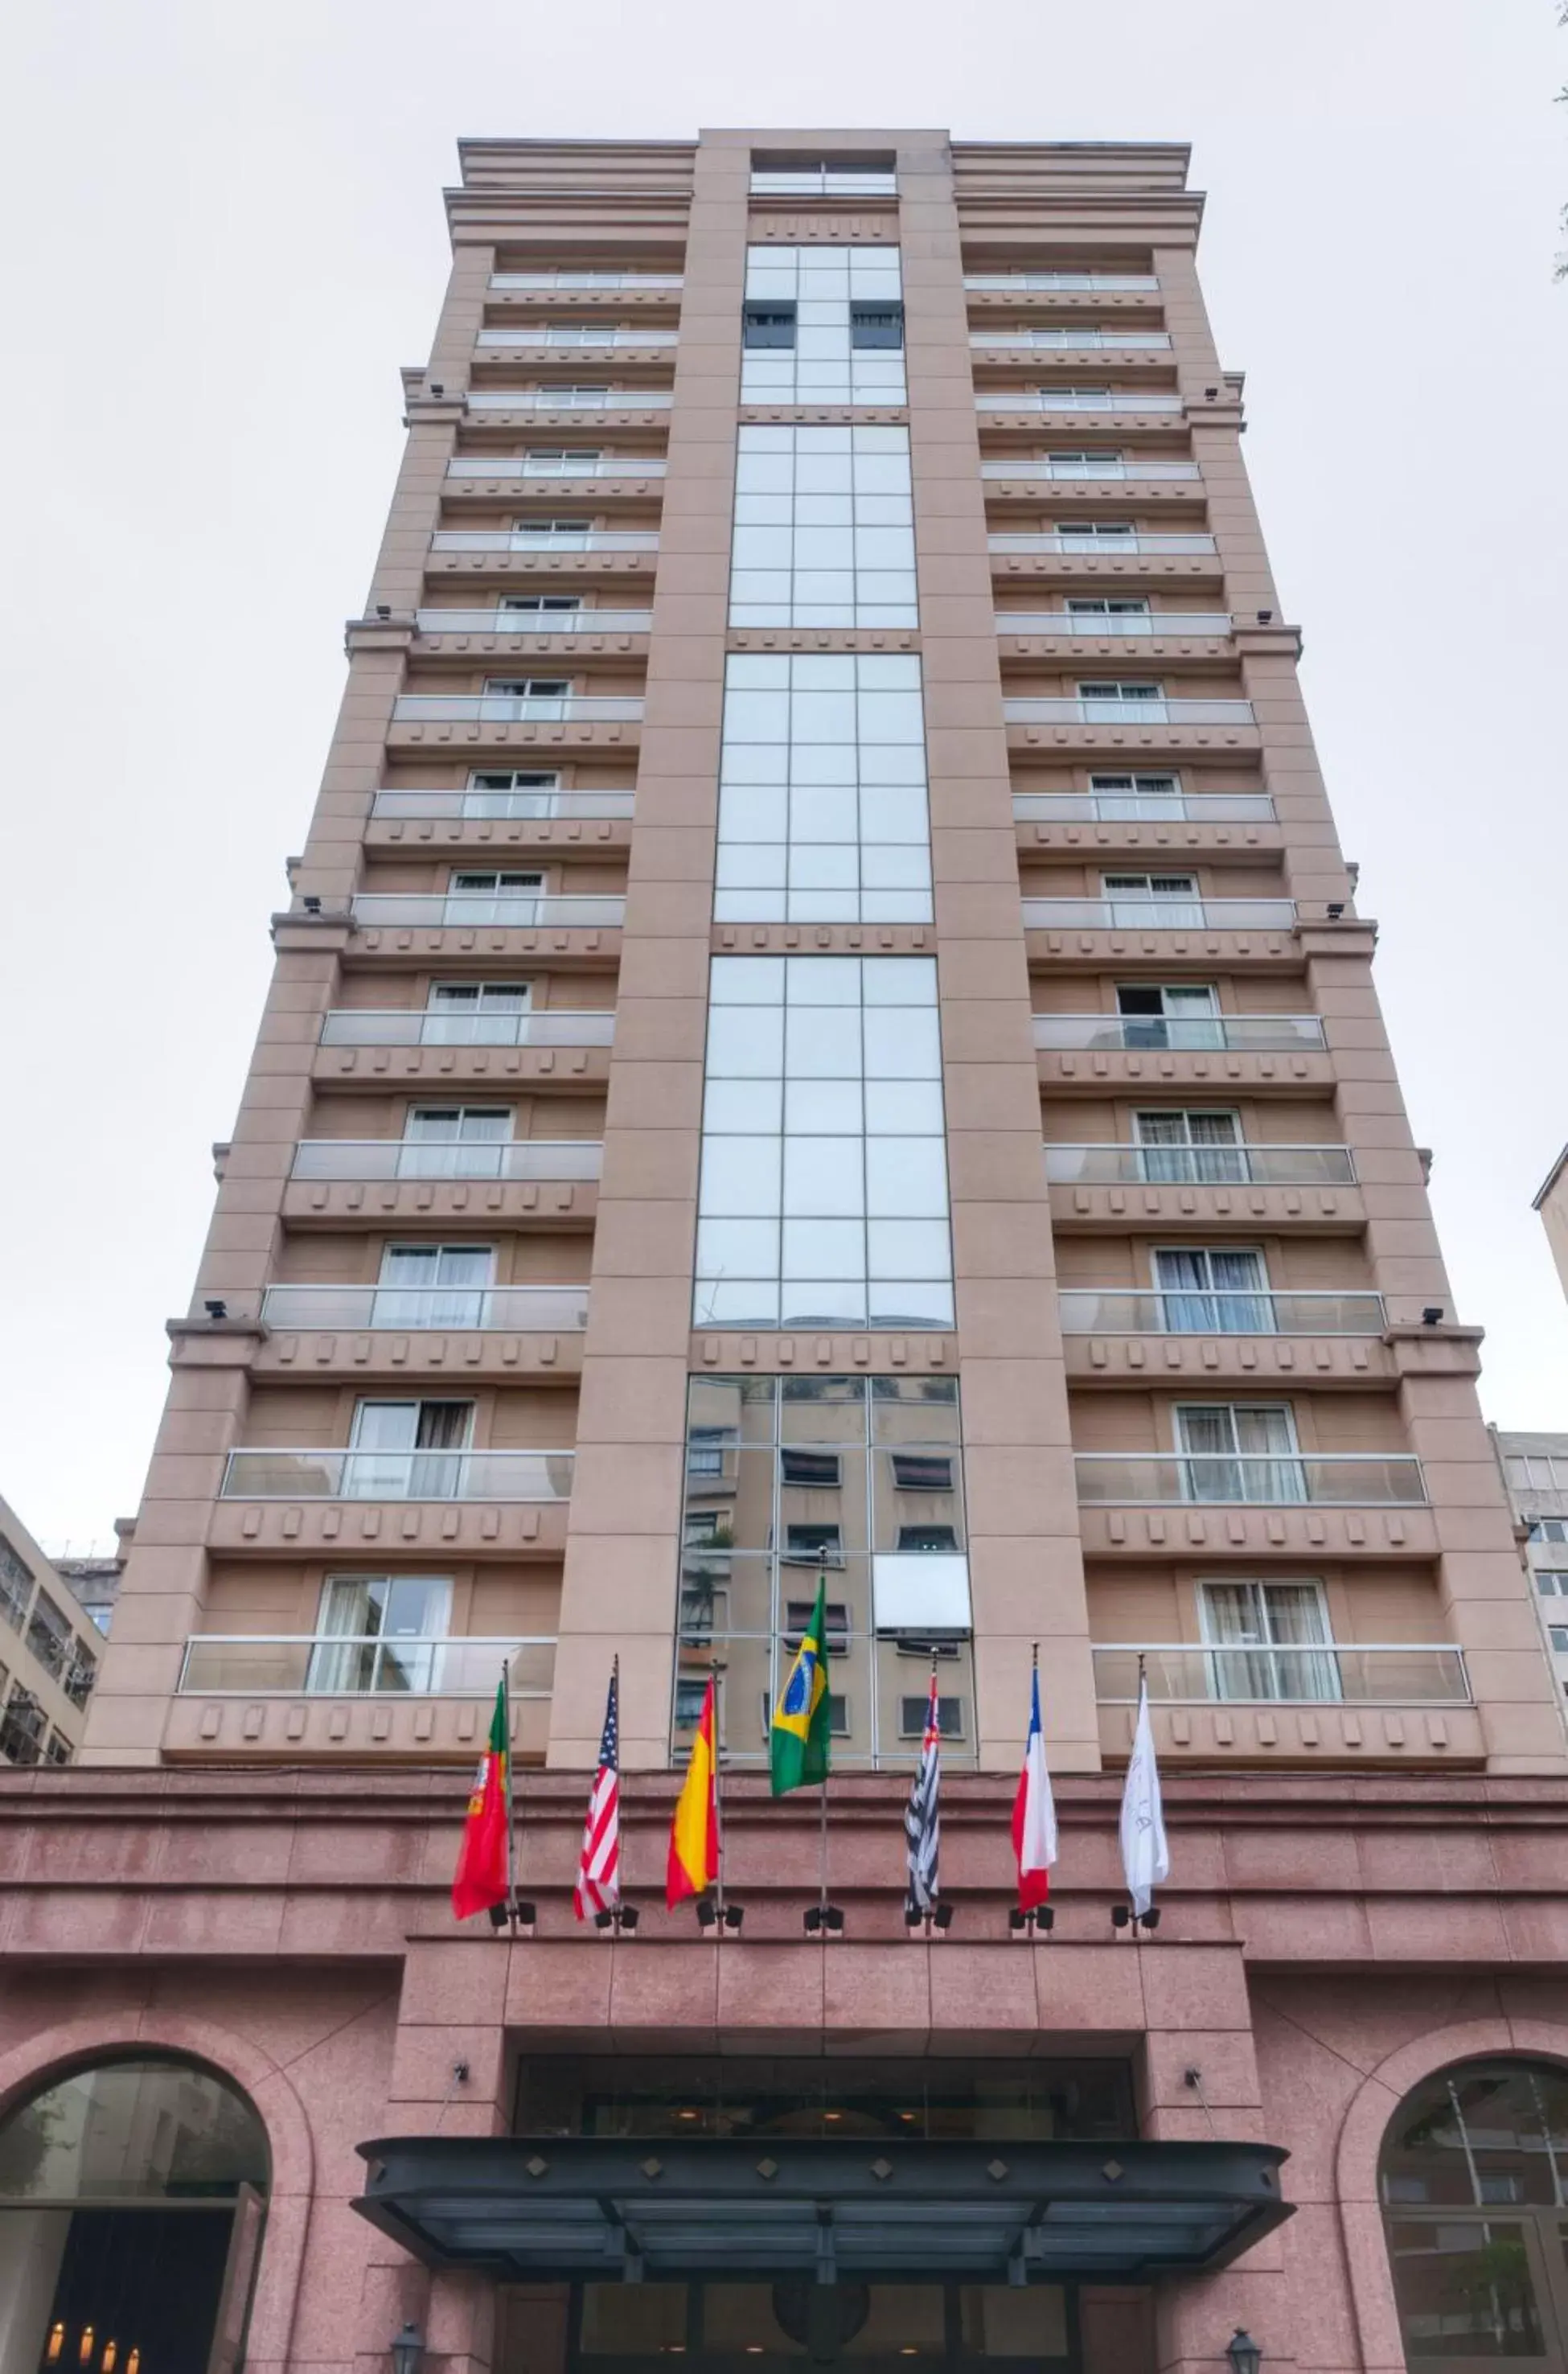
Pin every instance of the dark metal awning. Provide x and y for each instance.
(586, 2208)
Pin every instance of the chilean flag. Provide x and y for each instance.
(1034, 1814)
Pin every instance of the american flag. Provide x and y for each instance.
(922, 1816)
(599, 1865)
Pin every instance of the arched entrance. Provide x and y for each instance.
(132, 2199)
(1473, 2179)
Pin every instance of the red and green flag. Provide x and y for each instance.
(482, 1878)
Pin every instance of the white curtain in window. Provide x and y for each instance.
(1284, 1628)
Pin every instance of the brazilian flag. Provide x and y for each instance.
(802, 1718)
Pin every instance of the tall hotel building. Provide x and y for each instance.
(821, 1028)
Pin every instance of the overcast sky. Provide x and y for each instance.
(224, 234)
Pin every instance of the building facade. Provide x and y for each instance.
(49, 1652)
(821, 1033)
(1535, 1476)
(1552, 1203)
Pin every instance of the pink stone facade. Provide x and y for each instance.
(431, 1400)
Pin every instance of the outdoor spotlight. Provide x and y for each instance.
(1121, 1916)
(1213, 394)
(216, 1309)
(1152, 1918)
(407, 2352)
(1432, 1314)
(706, 1915)
(628, 1917)
(823, 1916)
(1265, 618)
(383, 609)
(943, 1917)
(435, 388)
(497, 1920)
(1336, 908)
(605, 1920)
(912, 1916)
(734, 1914)
(523, 1912)
(1243, 2352)
(1045, 1916)
(313, 906)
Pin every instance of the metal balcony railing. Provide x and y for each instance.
(1186, 1034)
(1343, 1480)
(1200, 1166)
(555, 1026)
(1023, 281)
(285, 1474)
(410, 804)
(1038, 465)
(516, 708)
(529, 539)
(366, 1664)
(557, 623)
(1112, 1310)
(1172, 914)
(1100, 623)
(566, 279)
(1052, 711)
(1081, 337)
(527, 909)
(1374, 1673)
(404, 1158)
(572, 465)
(539, 1310)
(1127, 546)
(568, 399)
(1142, 807)
(1079, 399)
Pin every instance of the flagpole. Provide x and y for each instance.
(717, 1806)
(511, 1796)
(821, 1658)
(1142, 1684)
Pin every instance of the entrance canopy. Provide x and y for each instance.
(595, 2209)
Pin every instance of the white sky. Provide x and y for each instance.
(224, 234)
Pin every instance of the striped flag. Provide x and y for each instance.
(1034, 1814)
(922, 1816)
(599, 1865)
(692, 1866)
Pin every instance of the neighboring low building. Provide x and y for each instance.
(94, 1573)
(48, 1663)
(1535, 1469)
(1552, 1205)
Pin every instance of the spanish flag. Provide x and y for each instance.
(692, 1864)
(484, 1862)
(800, 1742)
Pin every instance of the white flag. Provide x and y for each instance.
(1145, 1857)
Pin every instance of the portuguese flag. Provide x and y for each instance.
(693, 1863)
(484, 1862)
(800, 1742)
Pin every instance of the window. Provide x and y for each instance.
(512, 791)
(1079, 607)
(15, 1587)
(80, 1674)
(381, 1633)
(824, 528)
(1168, 901)
(1547, 1529)
(1115, 702)
(456, 1125)
(21, 1727)
(1085, 462)
(528, 688)
(569, 334)
(1118, 532)
(1188, 1148)
(877, 327)
(49, 1635)
(821, 1469)
(1130, 797)
(824, 181)
(689, 1696)
(922, 1471)
(823, 1198)
(814, 1545)
(1538, 1474)
(1171, 1014)
(1552, 1582)
(797, 1614)
(561, 462)
(433, 1285)
(1558, 1635)
(928, 1540)
(1238, 1452)
(815, 356)
(572, 533)
(504, 895)
(407, 1450)
(821, 797)
(57, 1750)
(1268, 1641)
(949, 1717)
(535, 605)
(476, 1013)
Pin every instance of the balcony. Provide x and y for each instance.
(558, 624)
(368, 1158)
(1097, 626)
(1200, 1166)
(304, 1697)
(568, 399)
(1175, 714)
(1240, 1034)
(556, 1026)
(336, 1665)
(511, 910)
(1220, 1479)
(411, 805)
(1114, 1311)
(522, 1310)
(1078, 399)
(1141, 807)
(1091, 547)
(824, 181)
(1078, 339)
(521, 540)
(568, 466)
(442, 1476)
(1034, 465)
(1174, 914)
(1020, 283)
(560, 338)
(1402, 1702)
(564, 279)
(516, 708)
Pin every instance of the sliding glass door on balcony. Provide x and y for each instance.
(434, 1286)
(1206, 1291)
(408, 1451)
(1235, 1452)
(1170, 1015)
(1185, 1148)
(390, 1631)
(1271, 1641)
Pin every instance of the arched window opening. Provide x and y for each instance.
(1474, 2183)
(132, 2199)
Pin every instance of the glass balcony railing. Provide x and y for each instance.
(560, 623)
(1051, 710)
(1343, 1480)
(1097, 623)
(538, 539)
(337, 1665)
(1092, 544)
(1078, 339)
(556, 1026)
(512, 907)
(1111, 1311)
(1200, 1166)
(568, 399)
(1021, 282)
(567, 465)
(1039, 465)
(398, 1475)
(540, 1310)
(1185, 1034)
(1078, 399)
(404, 1158)
(824, 181)
(411, 804)
(575, 338)
(566, 279)
(516, 708)
(1172, 914)
(1142, 807)
(1378, 1673)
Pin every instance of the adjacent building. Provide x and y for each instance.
(49, 1654)
(1552, 1203)
(1535, 1474)
(822, 1031)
